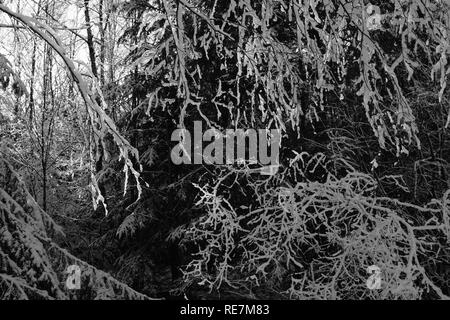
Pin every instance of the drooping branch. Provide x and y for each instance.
(101, 123)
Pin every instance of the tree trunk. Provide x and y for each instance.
(90, 38)
(102, 44)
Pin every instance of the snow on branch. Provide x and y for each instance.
(32, 265)
(101, 123)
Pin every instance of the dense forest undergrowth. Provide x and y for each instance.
(94, 95)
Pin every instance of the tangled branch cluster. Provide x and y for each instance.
(321, 236)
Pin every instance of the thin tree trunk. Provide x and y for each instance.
(18, 60)
(43, 136)
(90, 38)
(102, 44)
(33, 72)
(90, 42)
